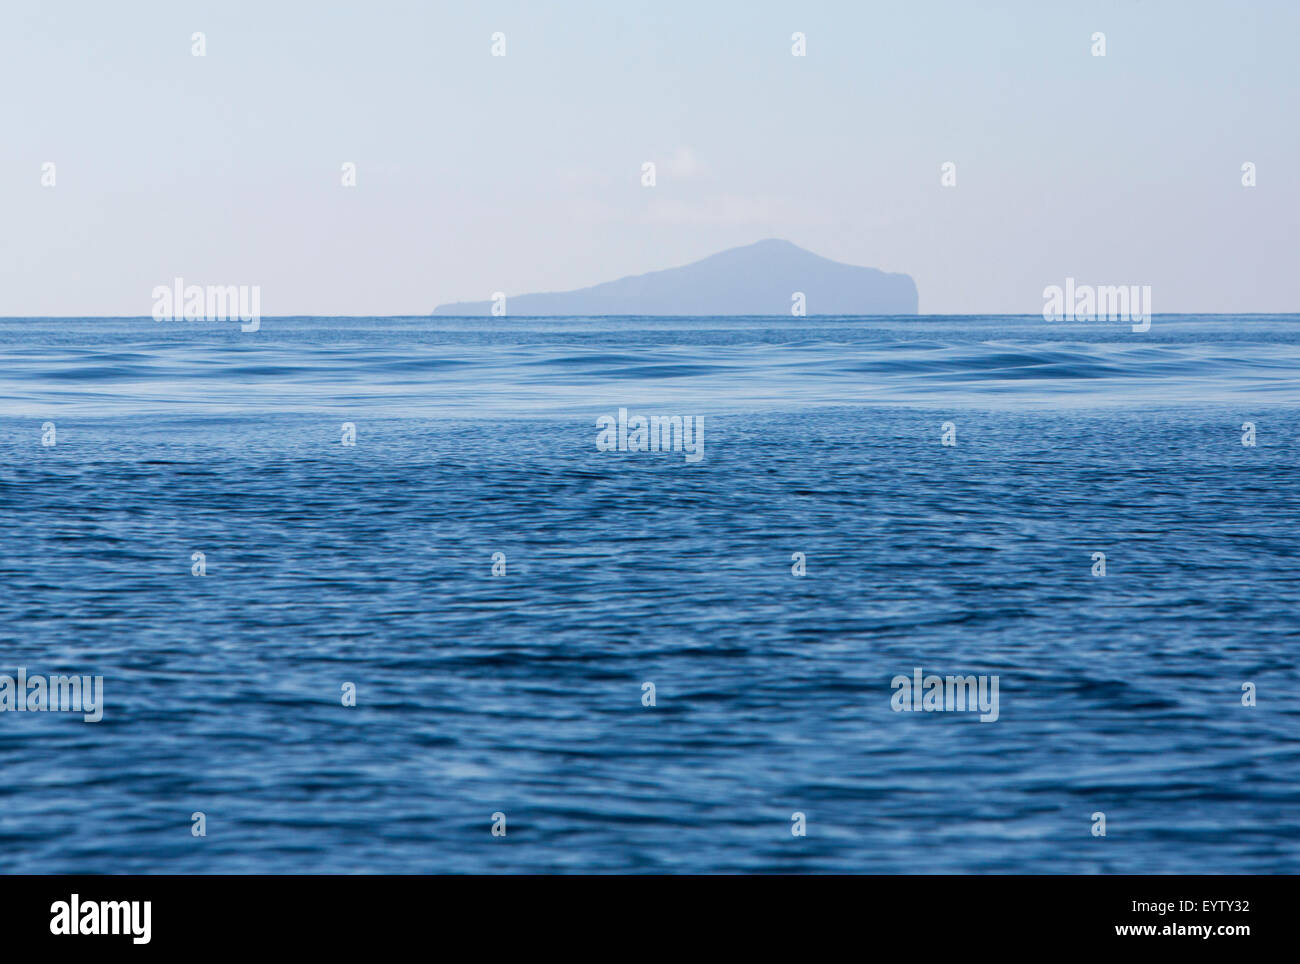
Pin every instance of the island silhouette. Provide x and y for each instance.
(764, 278)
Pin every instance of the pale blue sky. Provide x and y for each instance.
(478, 174)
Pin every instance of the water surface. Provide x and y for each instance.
(372, 564)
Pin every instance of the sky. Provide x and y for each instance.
(519, 173)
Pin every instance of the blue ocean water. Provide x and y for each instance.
(521, 693)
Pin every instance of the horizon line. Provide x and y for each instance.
(937, 314)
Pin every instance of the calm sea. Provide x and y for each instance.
(522, 693)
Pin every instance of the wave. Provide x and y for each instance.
(128, 366)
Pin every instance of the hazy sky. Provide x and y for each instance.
(522, 173)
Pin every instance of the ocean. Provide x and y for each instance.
(498, 590)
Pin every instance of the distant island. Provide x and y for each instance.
(757, 279)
